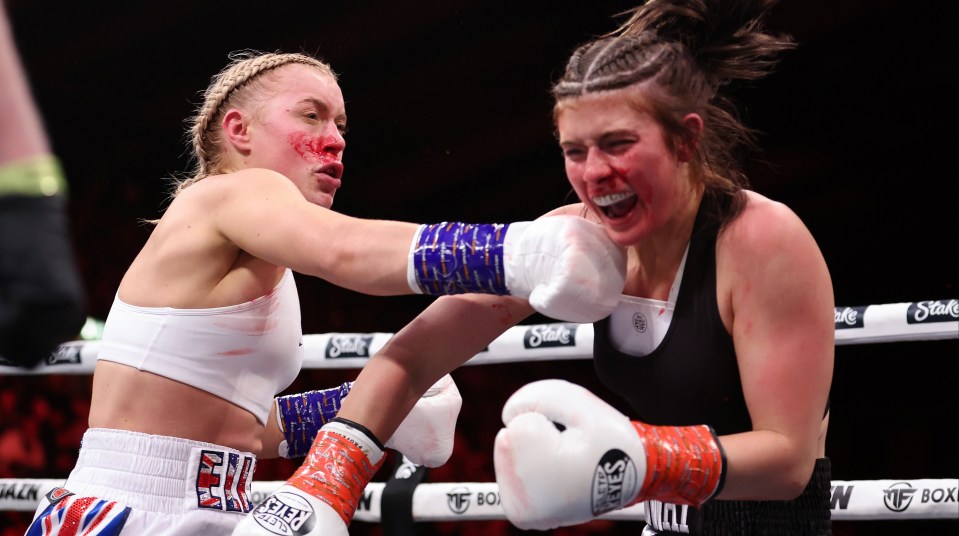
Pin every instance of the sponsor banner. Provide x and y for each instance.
(849, 317)
(347, 345)
(892, 322)
(457, 501)
(539, 342)
(75, 357)
(23, 494)
(895, 499)
(341, 350)
(926, 312)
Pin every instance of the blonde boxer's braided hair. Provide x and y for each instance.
(236, 85)
(680, 55)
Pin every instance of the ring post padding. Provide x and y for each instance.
(397, 502)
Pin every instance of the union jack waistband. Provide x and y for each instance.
(161, 473)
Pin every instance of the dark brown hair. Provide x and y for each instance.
(679, 55)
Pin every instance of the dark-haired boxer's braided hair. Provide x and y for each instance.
(680, 54)
(237, 85)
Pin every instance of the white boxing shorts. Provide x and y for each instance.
(132, 484)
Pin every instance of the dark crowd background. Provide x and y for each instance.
(449, 119)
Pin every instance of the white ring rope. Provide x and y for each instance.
(859, 500)
(894, 322)
(462, 501)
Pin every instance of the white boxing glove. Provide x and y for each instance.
(425, 436)
(566, 457)
(289, 510)
(567, 267)
(550, 478)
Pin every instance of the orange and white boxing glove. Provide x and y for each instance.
(321, 497)
(566, 457)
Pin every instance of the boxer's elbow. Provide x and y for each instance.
(790, 482)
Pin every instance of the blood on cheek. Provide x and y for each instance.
(643, 188)
(318, 149)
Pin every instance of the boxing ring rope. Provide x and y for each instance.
(883, 499)
(894, 322)
(851, 500)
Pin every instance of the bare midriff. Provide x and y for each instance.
(125, 398)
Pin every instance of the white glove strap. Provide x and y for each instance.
(516, 280)
(358, 437)
(411, 264)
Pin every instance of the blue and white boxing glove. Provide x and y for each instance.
(425, 436)
(567, 267)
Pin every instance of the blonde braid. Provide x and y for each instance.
(245, 66)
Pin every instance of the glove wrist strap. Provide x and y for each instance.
(684, 464)
(457, 258)
(338, 467)
(301, 416)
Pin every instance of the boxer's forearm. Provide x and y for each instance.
(444, 336)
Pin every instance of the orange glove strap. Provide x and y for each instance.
(336, 472)
(684, 464)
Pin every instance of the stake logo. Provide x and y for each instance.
(548, 335)
(342, 346)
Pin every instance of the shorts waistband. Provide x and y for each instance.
(162, 473)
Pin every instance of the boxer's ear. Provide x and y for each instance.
(236, 130)
(689, 141)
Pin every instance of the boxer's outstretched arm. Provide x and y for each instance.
(566, 267)
(441, 338)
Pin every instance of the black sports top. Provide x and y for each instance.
(692, 377)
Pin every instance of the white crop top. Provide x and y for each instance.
(638, 325)
(244, 353)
